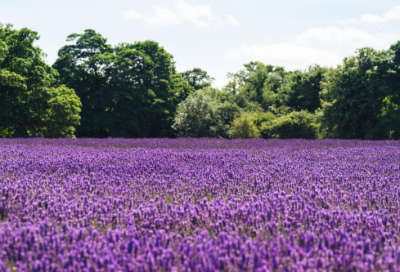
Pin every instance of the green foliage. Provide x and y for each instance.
(302, 88)
(3, 51)
(357, 96)
(63, 113)
(243, 127)
(389, 73)
(224, 114)
(131, 90)
(198, 79)
(294, 125)
(275, 90)
(30, 96)
(202, 116)
(214, 94)
(195, 116)
(257, 83)
(260, 117)
(389, 122)
(359, 99)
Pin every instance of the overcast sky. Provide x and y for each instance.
(219, 36)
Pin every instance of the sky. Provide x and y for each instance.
(219, 36)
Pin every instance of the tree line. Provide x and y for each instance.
(133, 90)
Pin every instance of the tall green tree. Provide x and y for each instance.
(146, 90)
(131, 90)
(302, 88)
(198, 78)
(388, 78)
(356, 93)
(82, 67)
(257, 83)
(202, 114)
(33, 103)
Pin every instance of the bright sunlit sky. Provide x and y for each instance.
(219, 36)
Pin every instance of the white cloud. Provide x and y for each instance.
(290, 55)
(232, 20)
(324, 46)
(160, 16)
(346, 37)
(183, 12)
(365, 19)
(372, 18)
(393, 14)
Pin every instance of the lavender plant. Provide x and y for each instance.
(199, 205)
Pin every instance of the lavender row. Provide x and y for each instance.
(193, 143)
(295, 206)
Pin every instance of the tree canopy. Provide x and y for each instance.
(202, 114)
(302, 88)
(361, 96)
(33, 102)
(130, 90)
(198, 79)
(98, 90)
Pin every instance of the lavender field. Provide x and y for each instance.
(199, 205)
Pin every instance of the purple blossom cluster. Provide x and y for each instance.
(199, 205)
